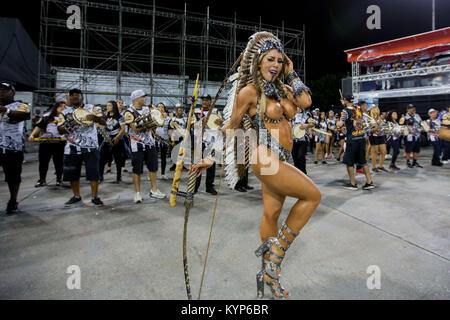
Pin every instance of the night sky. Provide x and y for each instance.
(331, 26)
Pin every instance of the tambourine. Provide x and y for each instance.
(446, 119)
(78, 117)
(128, 116)
(211, 124)
(425, 126)
(298, 132)
(23, 107)
(157, 117)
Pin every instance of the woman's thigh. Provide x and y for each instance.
(284, 179)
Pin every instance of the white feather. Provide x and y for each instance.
(231, 173)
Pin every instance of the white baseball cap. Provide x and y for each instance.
(432, 110)
(137, 94)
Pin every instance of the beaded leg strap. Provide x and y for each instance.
(272, 265)
(281, 235)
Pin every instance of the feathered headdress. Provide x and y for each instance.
(257, 45)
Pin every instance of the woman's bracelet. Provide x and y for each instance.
(297, 85)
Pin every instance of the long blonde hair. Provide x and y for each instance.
(372, 112)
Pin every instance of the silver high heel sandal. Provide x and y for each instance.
(270, 266)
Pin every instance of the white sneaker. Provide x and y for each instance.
(157, 194)
(445, 162)
(388, 156)
(164, 177)
(138, 197)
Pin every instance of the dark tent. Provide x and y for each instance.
(19, 56)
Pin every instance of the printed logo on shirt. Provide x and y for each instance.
(358, 122)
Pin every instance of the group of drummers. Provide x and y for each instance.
(360, 133)
(74, 133)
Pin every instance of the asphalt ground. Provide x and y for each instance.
(388, 243)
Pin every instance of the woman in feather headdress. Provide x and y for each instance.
(260, 94)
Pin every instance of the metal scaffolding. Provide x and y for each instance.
(419, 73)
(119, 36)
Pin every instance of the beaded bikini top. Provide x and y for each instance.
(265, 137)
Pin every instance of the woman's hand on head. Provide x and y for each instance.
(289, 65)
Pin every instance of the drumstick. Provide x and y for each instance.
(340, 92)
(48, 139)
(321, 131)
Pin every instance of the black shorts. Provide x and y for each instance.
(73, 162)
(375, 141)
(11, 161)
(149, 156)
(355, 152)
(412, 146)
(341, 137)
(333, 135)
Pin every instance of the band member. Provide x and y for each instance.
(321, 138)
(395, 138)
(445, 143)
(51, 149)
(164, 133)
(331, 128)
(12, 117)
(412, 144)
(341, 133)
(180, 121)
(114, 128)
(143, 149)
(435, 124)
(209, 138)
(126, 140)
(242, 185)
(355, 150)
(312, 139)
(108, 157)
(365, 112)
(305, 121)
(36, 118)
(377, 141)
(81, 146)
(271, 105)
